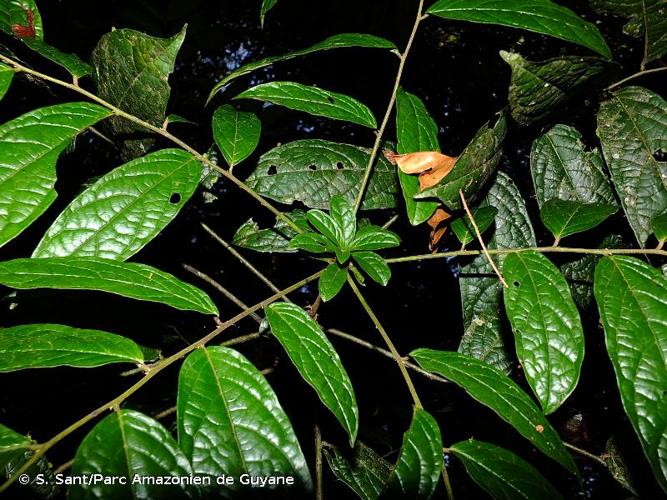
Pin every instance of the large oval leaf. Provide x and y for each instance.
(230, 421)
(313, 171)
(136, 281)
(29, 148)
(15, 12)
(566, 217)
(420, 461)
(365, 472)
(632, 300)
(46, 346)
(546, 324)
(130, 445)
(236, 133)
(317, 361)
(501, 473)
(632, 126)
(494, 389)
(540, 16)
(312, 100)
(124, 210)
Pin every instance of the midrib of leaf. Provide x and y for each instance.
(126, 448)
(552, 144)
(492, 472)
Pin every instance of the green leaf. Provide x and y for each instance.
(420, 461)
(125, 444)
(317, 361)
(374, 266)
(492, 388)
(312, 100)
(659, 227)
(275, 239)
(132, 72)
(501, 473)
(341, 40)
(12, 446)
(29, 147)
(125, 209)
(46, 346)
(71, 62)
(174, 118)
(267, 5)
(136, 281)
(546, 325)
(313, 171)
(463, 228)
(617, 465)
(562, 168)
(416, 131)
(632, 126)
(632, 300)
(312, 242)
(539, 16)
(375, 238)
(236, 133)
(331, 281)
(565, 217)
(484, 336)
(15, 12)
(365, 472)
(230, 421)
(539, 89)
(647, 21)
(473, 169)
(342, 212)
(6, 76)
(325, 225)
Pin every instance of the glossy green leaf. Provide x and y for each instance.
(12, 446)
(316, 360)
(312, 100)
(659, 227)
(632, 126)
(546, 325)
(325, 224)
(236, 133)
(342, 212)
(373, 265)
(267, 5)
(331, 282)
(174, 118)
(501, 473)
(132, 72)
(483, 217)
(566, 217)
(473, 169)
(375, 238)
(313, 171)
(494, 389)
(29, 148)
(540, 16)
(420, 460)
(341, 40)
(632, 300)
(125, 209)
(128, 444)
(46, 346)
(312, 242)
(416, 131)
(6, 76)
(541, 88)
(365, 472)
(230, 421)
(71, 62)
(562, 168)
(136, 281)
(485, 337)
(16, 12)
(275, 239)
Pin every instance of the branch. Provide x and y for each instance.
(636, 75)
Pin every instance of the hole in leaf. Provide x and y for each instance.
(660, 155)
(313, 167)
(516, 284)
(272, 170)
(175, 198)
(340, 165)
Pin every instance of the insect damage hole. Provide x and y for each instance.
(313, 167)
(660, 155)
(340, 165)
(272, 170)
(175, 198)
(516, 283)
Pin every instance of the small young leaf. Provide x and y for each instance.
(563, 217)
(546, 325)
(46, 346)
(136, 281)
(659, 226)
(275, 239)
(230, 421)
(494, 389)
(366, 472)
(174, 118)
(6, 76)
(125, 209)
(374, 266)
(70, 62)
(501, 473)
(312, 100)
(312, 242)
(632, 300)
(463, 228)
(326, 225)
(125, 444)
(342, 212)
(375, 238)
(267, 5)
(540, 16)
(317, 361)
(617, 465)
(12, 446)
(236, 133)
(331, 281)
(420, 461)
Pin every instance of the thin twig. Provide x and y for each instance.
(586, 454)
(636, 75)
(63, 467)
(387, 224)
(319, 494)
(480, 239)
